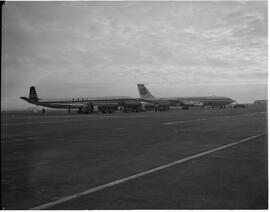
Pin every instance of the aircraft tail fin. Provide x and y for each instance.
(144, 93)
(32, 93)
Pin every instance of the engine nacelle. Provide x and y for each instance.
(147, 106)
(131, 103)
(130, 106)
(192, 104)
(88, 108)
(107, 107)
(198, 104)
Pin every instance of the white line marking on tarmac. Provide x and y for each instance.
(120, 181)
(180, 122)
(5, 141)
(174, 122)
(203, 119)
(119, 128)
(243, 114)
(258, 113)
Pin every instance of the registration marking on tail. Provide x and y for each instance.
(141, 174)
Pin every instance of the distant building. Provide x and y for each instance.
(261, 102)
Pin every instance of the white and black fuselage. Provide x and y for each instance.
(82, 104)
(214, 101)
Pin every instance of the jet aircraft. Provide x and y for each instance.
(85, 105)
(185, 102)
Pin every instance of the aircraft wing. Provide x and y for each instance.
(67, 105)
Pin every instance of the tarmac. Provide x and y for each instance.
(181, 159)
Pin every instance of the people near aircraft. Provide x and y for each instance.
(156, 107)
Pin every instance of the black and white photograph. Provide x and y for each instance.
(134, 105)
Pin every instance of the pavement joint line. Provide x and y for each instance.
(76, 120)
(51, 122)
(55, 116)
(89, 118)
(122, 180)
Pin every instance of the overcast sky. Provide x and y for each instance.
(76, 49)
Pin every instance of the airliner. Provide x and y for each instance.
(84, 105)
(185, 102)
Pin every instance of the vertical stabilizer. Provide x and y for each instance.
(144, 93)
(33, 93)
